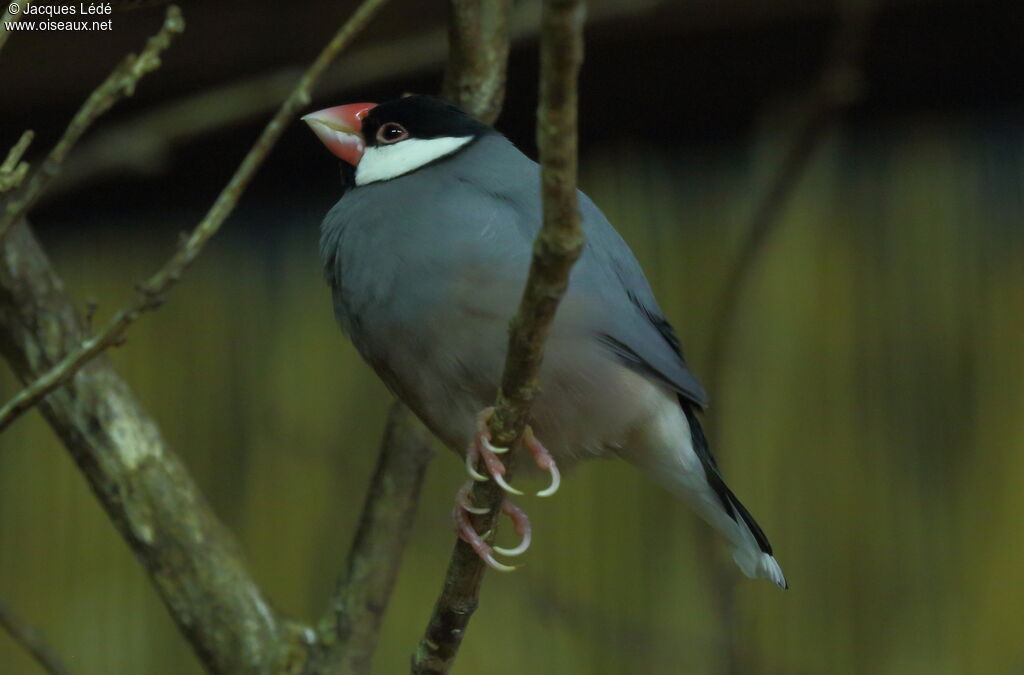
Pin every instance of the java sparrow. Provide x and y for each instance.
(427, 253)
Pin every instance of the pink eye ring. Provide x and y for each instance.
(391, 132)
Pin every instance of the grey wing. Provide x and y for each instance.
(633, 329)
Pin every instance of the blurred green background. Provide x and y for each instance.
(871, 412)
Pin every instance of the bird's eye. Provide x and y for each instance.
(392, 132)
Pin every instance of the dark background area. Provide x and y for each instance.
(679, 74)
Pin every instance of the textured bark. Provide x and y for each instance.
(348, 632)
(192, 559)
(149, 496)
(194, 562)
(478, 39)
(556, 249)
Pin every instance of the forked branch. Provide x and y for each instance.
(149, 496)
(152, 292)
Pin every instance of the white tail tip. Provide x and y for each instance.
(770, 570)
(760, 566)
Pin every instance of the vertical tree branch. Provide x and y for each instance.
(556, 249)
(31, 640)
(348, 631)
(478, 39)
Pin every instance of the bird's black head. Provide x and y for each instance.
(417, 116)
(395, 138)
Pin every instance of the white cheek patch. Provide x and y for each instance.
(390, 161)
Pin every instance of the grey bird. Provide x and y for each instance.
(427, 253)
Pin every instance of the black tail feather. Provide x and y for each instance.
(732, 505)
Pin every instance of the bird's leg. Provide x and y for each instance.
(465, 530)
(481, 448)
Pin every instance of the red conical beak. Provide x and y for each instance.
(340, 129)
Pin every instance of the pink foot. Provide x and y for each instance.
(465, 530)
(544, 461)
(481, 448)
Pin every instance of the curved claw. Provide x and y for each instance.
(542, 457)
(486, 442)
(556, 480)
(462, 499)
(497, 566)
(521, 522)
(510, 552)
(465, 530)
(483, 431)
(471, 470)
(500, 480)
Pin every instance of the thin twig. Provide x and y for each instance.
(13, 170)
(17, 151)
(348, 631)
(152, 292)
(120, 83)
(556, 249)
(145, 142)
(11, 17)
(32, 640)
(478, 41)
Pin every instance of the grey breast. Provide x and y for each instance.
(427, 269)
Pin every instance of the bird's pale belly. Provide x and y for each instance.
(588, 405)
